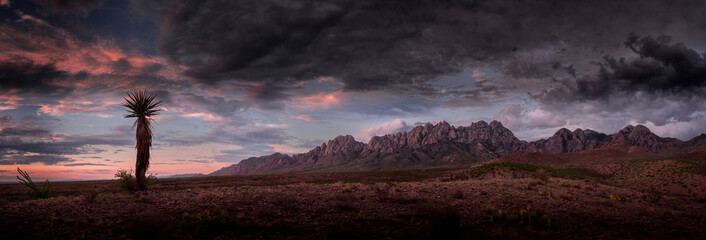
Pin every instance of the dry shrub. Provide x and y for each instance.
(458, 194)
(127, 181)
(653, 195)
(445, 220)
(543, 175)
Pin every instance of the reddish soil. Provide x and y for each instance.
(623, 197)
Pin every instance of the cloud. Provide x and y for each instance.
(663, 83)
(73, 105)
(27, 77)
(28, 142)
(69, 7)
(287, 149)
(367, 45)
(393, 127)
(211, 108)
(514, 117)
(304, 117)
(271, 125)
(663, 67)
(319, 100)
(83, 164)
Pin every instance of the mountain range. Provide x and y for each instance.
(443, 145)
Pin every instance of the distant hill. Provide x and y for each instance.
(443, 145)
(184, 175)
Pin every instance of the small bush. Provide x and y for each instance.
(653, 195)
(619, 197)
(207, 224)
(127, 181)
(151, 225)
(522, 217)
(27, 181)
(445, 220)
(458, 194)
(543, 175)
(91, 196)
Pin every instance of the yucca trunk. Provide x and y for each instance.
(143, 136)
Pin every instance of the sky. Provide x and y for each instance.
(248, 78)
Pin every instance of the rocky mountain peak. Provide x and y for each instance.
(626, 130)
(441, 143)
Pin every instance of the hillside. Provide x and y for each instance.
(443, 145)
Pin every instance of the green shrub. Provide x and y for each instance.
(127, 181)
(27, 181)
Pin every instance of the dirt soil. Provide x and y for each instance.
(416, 204)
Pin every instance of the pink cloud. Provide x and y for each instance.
(74, 106)
(54, 45)
(286, 149)
(395, 126)
(319, 100)
(9, 102)
(305, 118)
(271, 125)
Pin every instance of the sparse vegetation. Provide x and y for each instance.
(127, 181)
(445, 221)
(206, 224)
(540, 172)
(653, 195)
(521, 218)
(543, 175)
(45, 192)
(351, 205)
(619, 197)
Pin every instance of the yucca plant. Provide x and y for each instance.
(27, 181)
(142, 105)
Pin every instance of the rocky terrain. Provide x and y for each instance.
(443, 145)
(621, 186)
(616, 191)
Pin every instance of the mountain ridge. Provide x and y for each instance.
(443, 145)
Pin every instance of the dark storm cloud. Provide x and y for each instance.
(194, 103)
(380, 45)
(29, 143)
(32, 78)
(45, 159)
(661, 67)
(69, 6)
(266, 95)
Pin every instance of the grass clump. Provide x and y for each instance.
(653, 195)
(208, 224)
(619, 197)
(127, 180)
(45, 192)
(445, 221)
(541, 172)
(522, 218)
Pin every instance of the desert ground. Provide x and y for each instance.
(520, 196)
